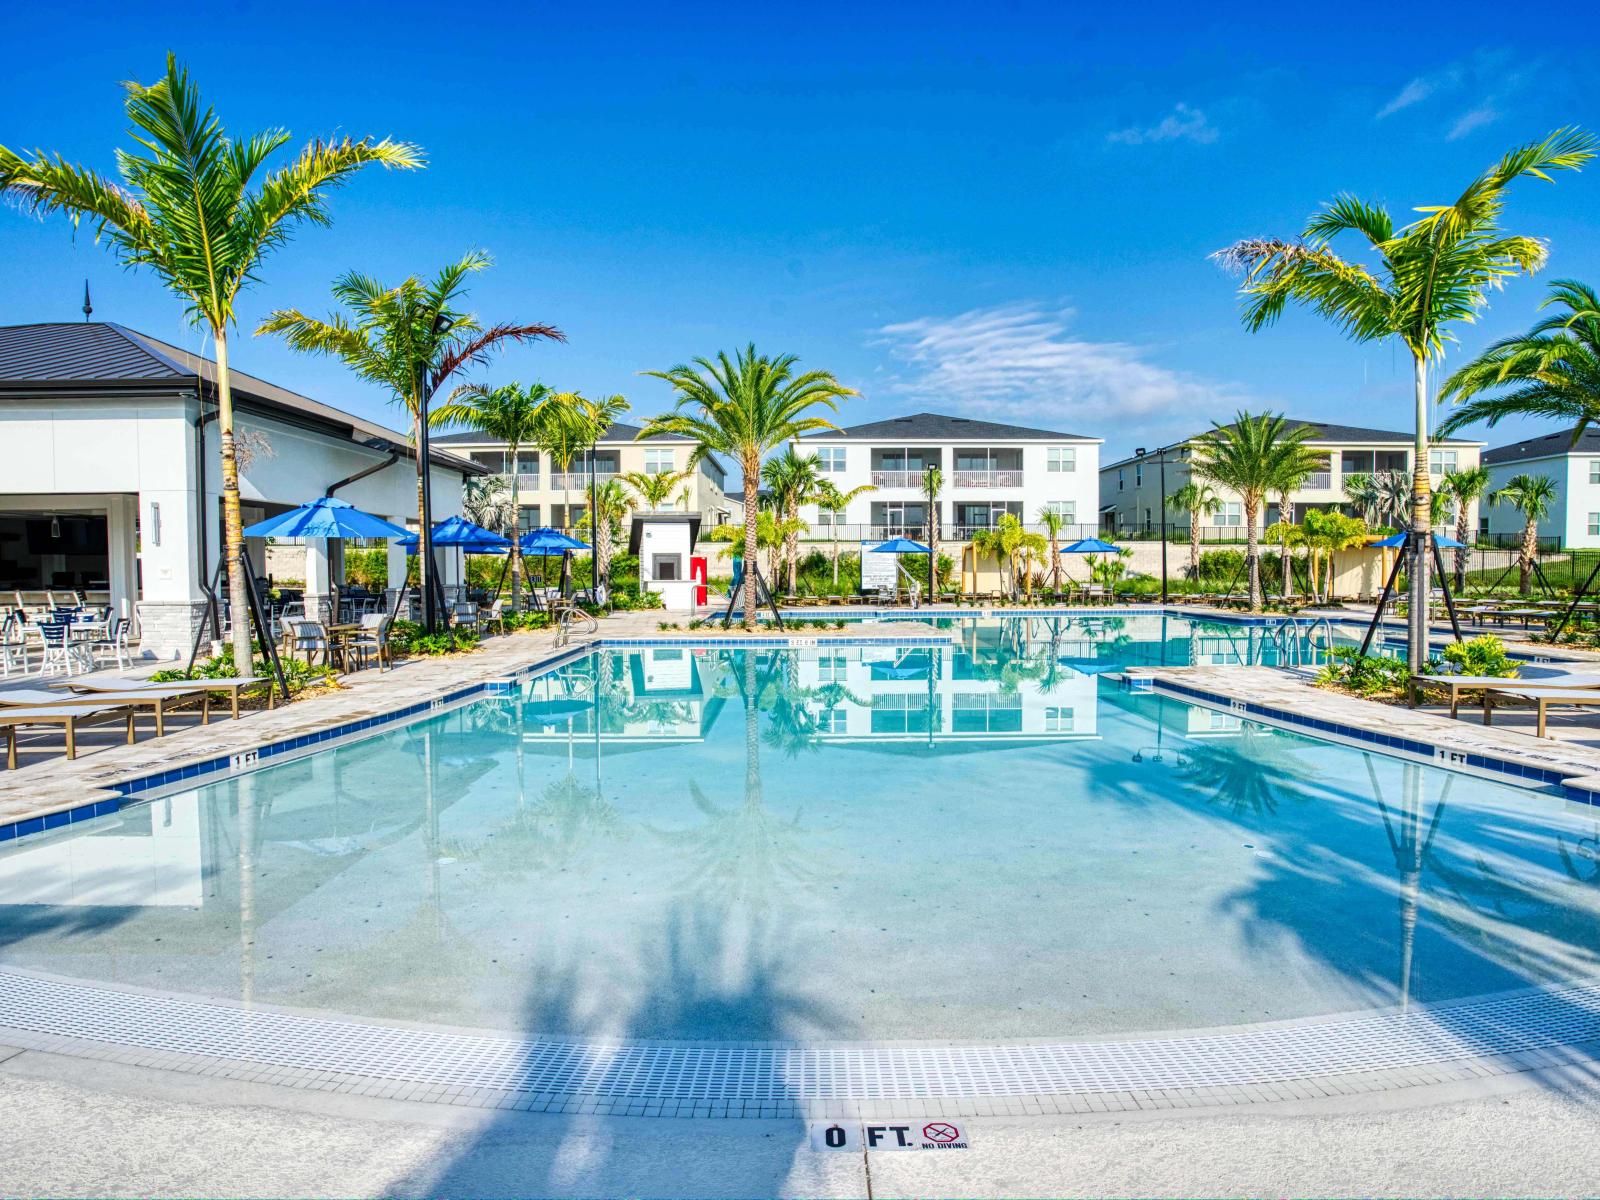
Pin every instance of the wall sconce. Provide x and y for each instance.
(155, 523)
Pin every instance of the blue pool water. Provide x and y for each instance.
(987, 840)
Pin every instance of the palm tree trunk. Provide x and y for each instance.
(1530, 551)
(833, 527)
(752, 485)
(516, 525)
(1284, 518)
(1463, 527)
(1194, 547)
(232, 521)
(1252, 549)
(1421, 526)
(791, 544)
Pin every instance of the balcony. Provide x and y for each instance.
(987, 479)
(1318, 481)
(897, 479)
(579, 479)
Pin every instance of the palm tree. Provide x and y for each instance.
(655, 489)
(612, 504)
(792, 479)
(932, 488)
(1551, 371)
(1532, 496)
(1362, 491)
(510, 414)
(1002, 542)
(186, 209)
(834, 502)
(487, 501)
(744, 407)
(1250, 457)
(1295, 468)
(1433, 272)
(1053, 523)
(1200, 500)
(1465, 488)
(413, 340)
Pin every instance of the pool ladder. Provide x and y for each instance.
(1296, 644)
(566, 615)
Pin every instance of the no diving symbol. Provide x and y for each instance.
(940, 1132)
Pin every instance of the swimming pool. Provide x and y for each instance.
(991, 840)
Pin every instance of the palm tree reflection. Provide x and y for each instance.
(1250, 773)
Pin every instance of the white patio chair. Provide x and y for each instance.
(14, 651)
(114, 642)
(308, 636)
(58, 652)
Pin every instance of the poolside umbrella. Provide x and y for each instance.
(1399, 539)
(1090, 545)
(325, 517)
(544, 542)
(904, 545)
(462, 533)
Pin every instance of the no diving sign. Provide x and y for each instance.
(936, 1133)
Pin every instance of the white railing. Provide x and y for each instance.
(580, 479)
(897, 479)
(987, 479)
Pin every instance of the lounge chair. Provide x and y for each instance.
(159, 697)
(1541, 698)
(1454, 685)
(68, 716)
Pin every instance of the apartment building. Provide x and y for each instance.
(550, 496)
(988, 468)
(1131, 487)
(1574, 519)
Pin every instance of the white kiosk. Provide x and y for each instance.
(663, 543)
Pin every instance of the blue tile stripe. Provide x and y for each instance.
(1514, 770)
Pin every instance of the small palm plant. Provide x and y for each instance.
(612, 504)
(1465, 488)
(1250, 457)
(834, 502)
(743, 407)
(1532, 496)
(1200, 500)
(792, 479)
(1429, 275)
(186, 208)
(1053, 523)
(932, 489)
(656, 489)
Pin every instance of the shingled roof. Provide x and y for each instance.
(943, 428)
(1547, 446)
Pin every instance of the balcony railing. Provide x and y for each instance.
(580, 479)
(987, 479)
(1319, 481)
(897, 479)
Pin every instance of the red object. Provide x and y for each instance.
(697, 574)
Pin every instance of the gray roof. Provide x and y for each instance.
(943, 428)
(617, 432)
(105, 357)
(1547, 446)
(1321, 431)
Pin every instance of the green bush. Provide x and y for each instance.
(407, 640)
(1364, 674)
(1484, 655)
(297, 672)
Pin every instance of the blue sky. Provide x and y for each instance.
(1001, 210)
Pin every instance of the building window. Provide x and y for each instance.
(658, 462)
(1594, 524)
(1594, 470)
(528, 518)
(1231, 514)
(1067, 510)
(1061, 458)
(1441, 461)
(832, 720)
(495, 460)
(1060, 720)
(528, 462)
(1138, 475)
(1121, 482)
(831, 459)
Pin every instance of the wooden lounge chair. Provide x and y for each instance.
(1454, 685)
(202, 688)
(68, 716)
(1543, 699)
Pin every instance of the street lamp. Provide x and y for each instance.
(1161, 465)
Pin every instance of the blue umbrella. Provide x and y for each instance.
(325, 517)
(458, 531)
(1091, 545)
(547, 541)
(1399, 539)
(901, 545)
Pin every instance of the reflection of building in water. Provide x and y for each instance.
(658, 695)
(938, 694)
(1210, 722)
(149, 857)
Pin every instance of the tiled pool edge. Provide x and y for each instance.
(1503, 765)
(140, 787)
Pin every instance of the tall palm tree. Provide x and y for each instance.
(834, 502)
(655, 489)
(1533, 496)
(612, 504)
(792, 479)
(413, 339)
(1298, 464)
(1551, 371)
(1200, 500)
(1250, 457)
(744, 407)
(932, 489)
(1053, 523)
(1465, 488)
(509, 413)
(1436, 271)
(186, 209)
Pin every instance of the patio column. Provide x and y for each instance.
(319, 590)
(171, 604)
(122, 544)
(396, 562)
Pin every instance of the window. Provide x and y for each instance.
(1120, 481)
(1067, 510)
(528, 518)
(1138, 475)
(658, 462)
(825, 519)
(1224, 721)
(495, 460)
(832, 720)
(1231, 514)
(1594, 524)
(831, 459)
(831, 668)
(1440, 461)
(1594, 470)
(1061, 458)
(1060, 720)
(527, 462)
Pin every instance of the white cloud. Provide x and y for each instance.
(1019, 361)
(1414, 92)
(1477, 118)
(1183, 123)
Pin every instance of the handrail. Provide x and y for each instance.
(564, 616)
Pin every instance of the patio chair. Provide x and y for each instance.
(58, 651)
(67, 716)
(495, 614)
(309, 637)
(13, 645)
(373, 639)
(464, 612)
(113, 641)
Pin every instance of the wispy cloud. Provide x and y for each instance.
(1414, 92)
(1476, 118)
(1020, 360)
(1183, 123)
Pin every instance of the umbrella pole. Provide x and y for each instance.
(1444, 587)
(1383, 600)
(268, 646)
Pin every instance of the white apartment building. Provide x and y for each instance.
(988, 468)
(110, 472)
(1131, 487)
(550, 496)
(1574, 519)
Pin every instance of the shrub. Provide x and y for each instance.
(1364, 674)
(407, 639)
(1484, 655)
(296, 672)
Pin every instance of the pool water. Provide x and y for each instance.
(986, 840)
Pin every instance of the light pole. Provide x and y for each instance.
(1161, 467)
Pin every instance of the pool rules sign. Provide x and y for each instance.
(933, 1133)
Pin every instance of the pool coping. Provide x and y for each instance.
(108, 797)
